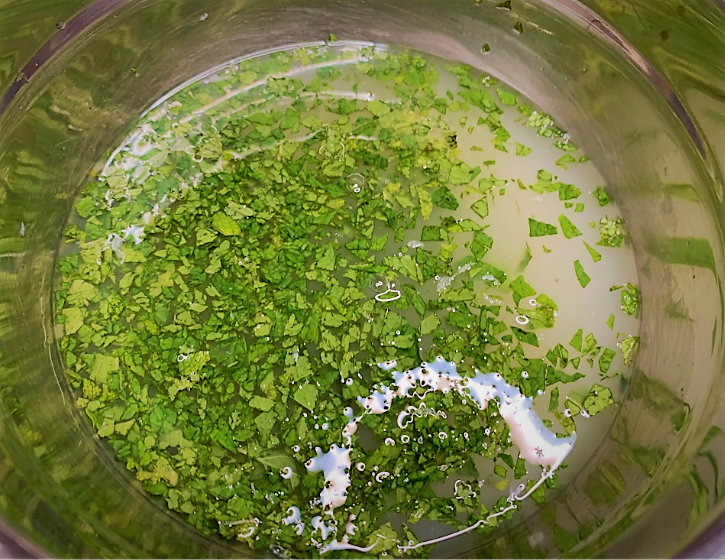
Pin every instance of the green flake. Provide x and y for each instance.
(590, 344)
(262, 403)
(306, 396)
(521, 289)
(568, 192)
(631, 300)
(582, 276)
(506, 97)
(225, 225)
(567, 228)
(605, 360)
(598, 398)
(602, 197)
(628, 346)
(610, 322)
(429, 324)
(576, 341)
(480, 207)
(540, 229)
(524, 336)
(565, 160)
(378, 108)
(444, 198)
(522, 150)
(610, 232)
(579, 207)
(596, 256)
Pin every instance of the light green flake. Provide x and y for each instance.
(429, 324)
(522, 150)
(307, 396)
(596, 256)
(582, 276)
(225, 225)
(540, 229)
(602, 197)
(629, 346)
(567, 228)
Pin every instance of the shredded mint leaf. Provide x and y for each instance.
(506, 97)
(602, 197)
(568, 192)
(582, 276)
(610, 322)
(524, 336)
(598, 398)
(565, 160)
(567, 228)
(629, 346)
(540, 229)
(610, 232)
(631, 300)
(480, 207)
(444, 198)
(522, 150)
(605, 360)
(307, 396)
(596, 255)
(521, 289)
(576, 341)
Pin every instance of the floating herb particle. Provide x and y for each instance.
(565, 160)
(524, 336)
(506, 97)
(596, 256)
(610, 232)
(567, 228)
(605, 359)
(541, 229)
(629, 346)
(521, 289)
(546, 249)
(590, 344)
(598, 398)
(610, 322)
(579, 207)
(582, 276)
(631, 300)
(444, 198)
(519, 27)
(486, 48)
(602, 197)
(522, 150)
(568, 192)
(576, 341)
(480, 207)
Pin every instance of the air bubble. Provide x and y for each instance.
(379, 283)
(355, 182)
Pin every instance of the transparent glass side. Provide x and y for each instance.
(60, 487)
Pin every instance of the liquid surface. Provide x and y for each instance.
(346, 298)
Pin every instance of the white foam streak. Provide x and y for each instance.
(536, 443)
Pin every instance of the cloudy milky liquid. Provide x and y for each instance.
(513, 167)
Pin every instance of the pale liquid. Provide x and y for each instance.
(550, 273)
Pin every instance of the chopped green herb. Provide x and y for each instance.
(540, 229)
(582, 276)
(522, 150)
(629, 346)
(567, 228)
(576, 341)
(601, 195)
(631, 300)
(568, 192)
(596, 256)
